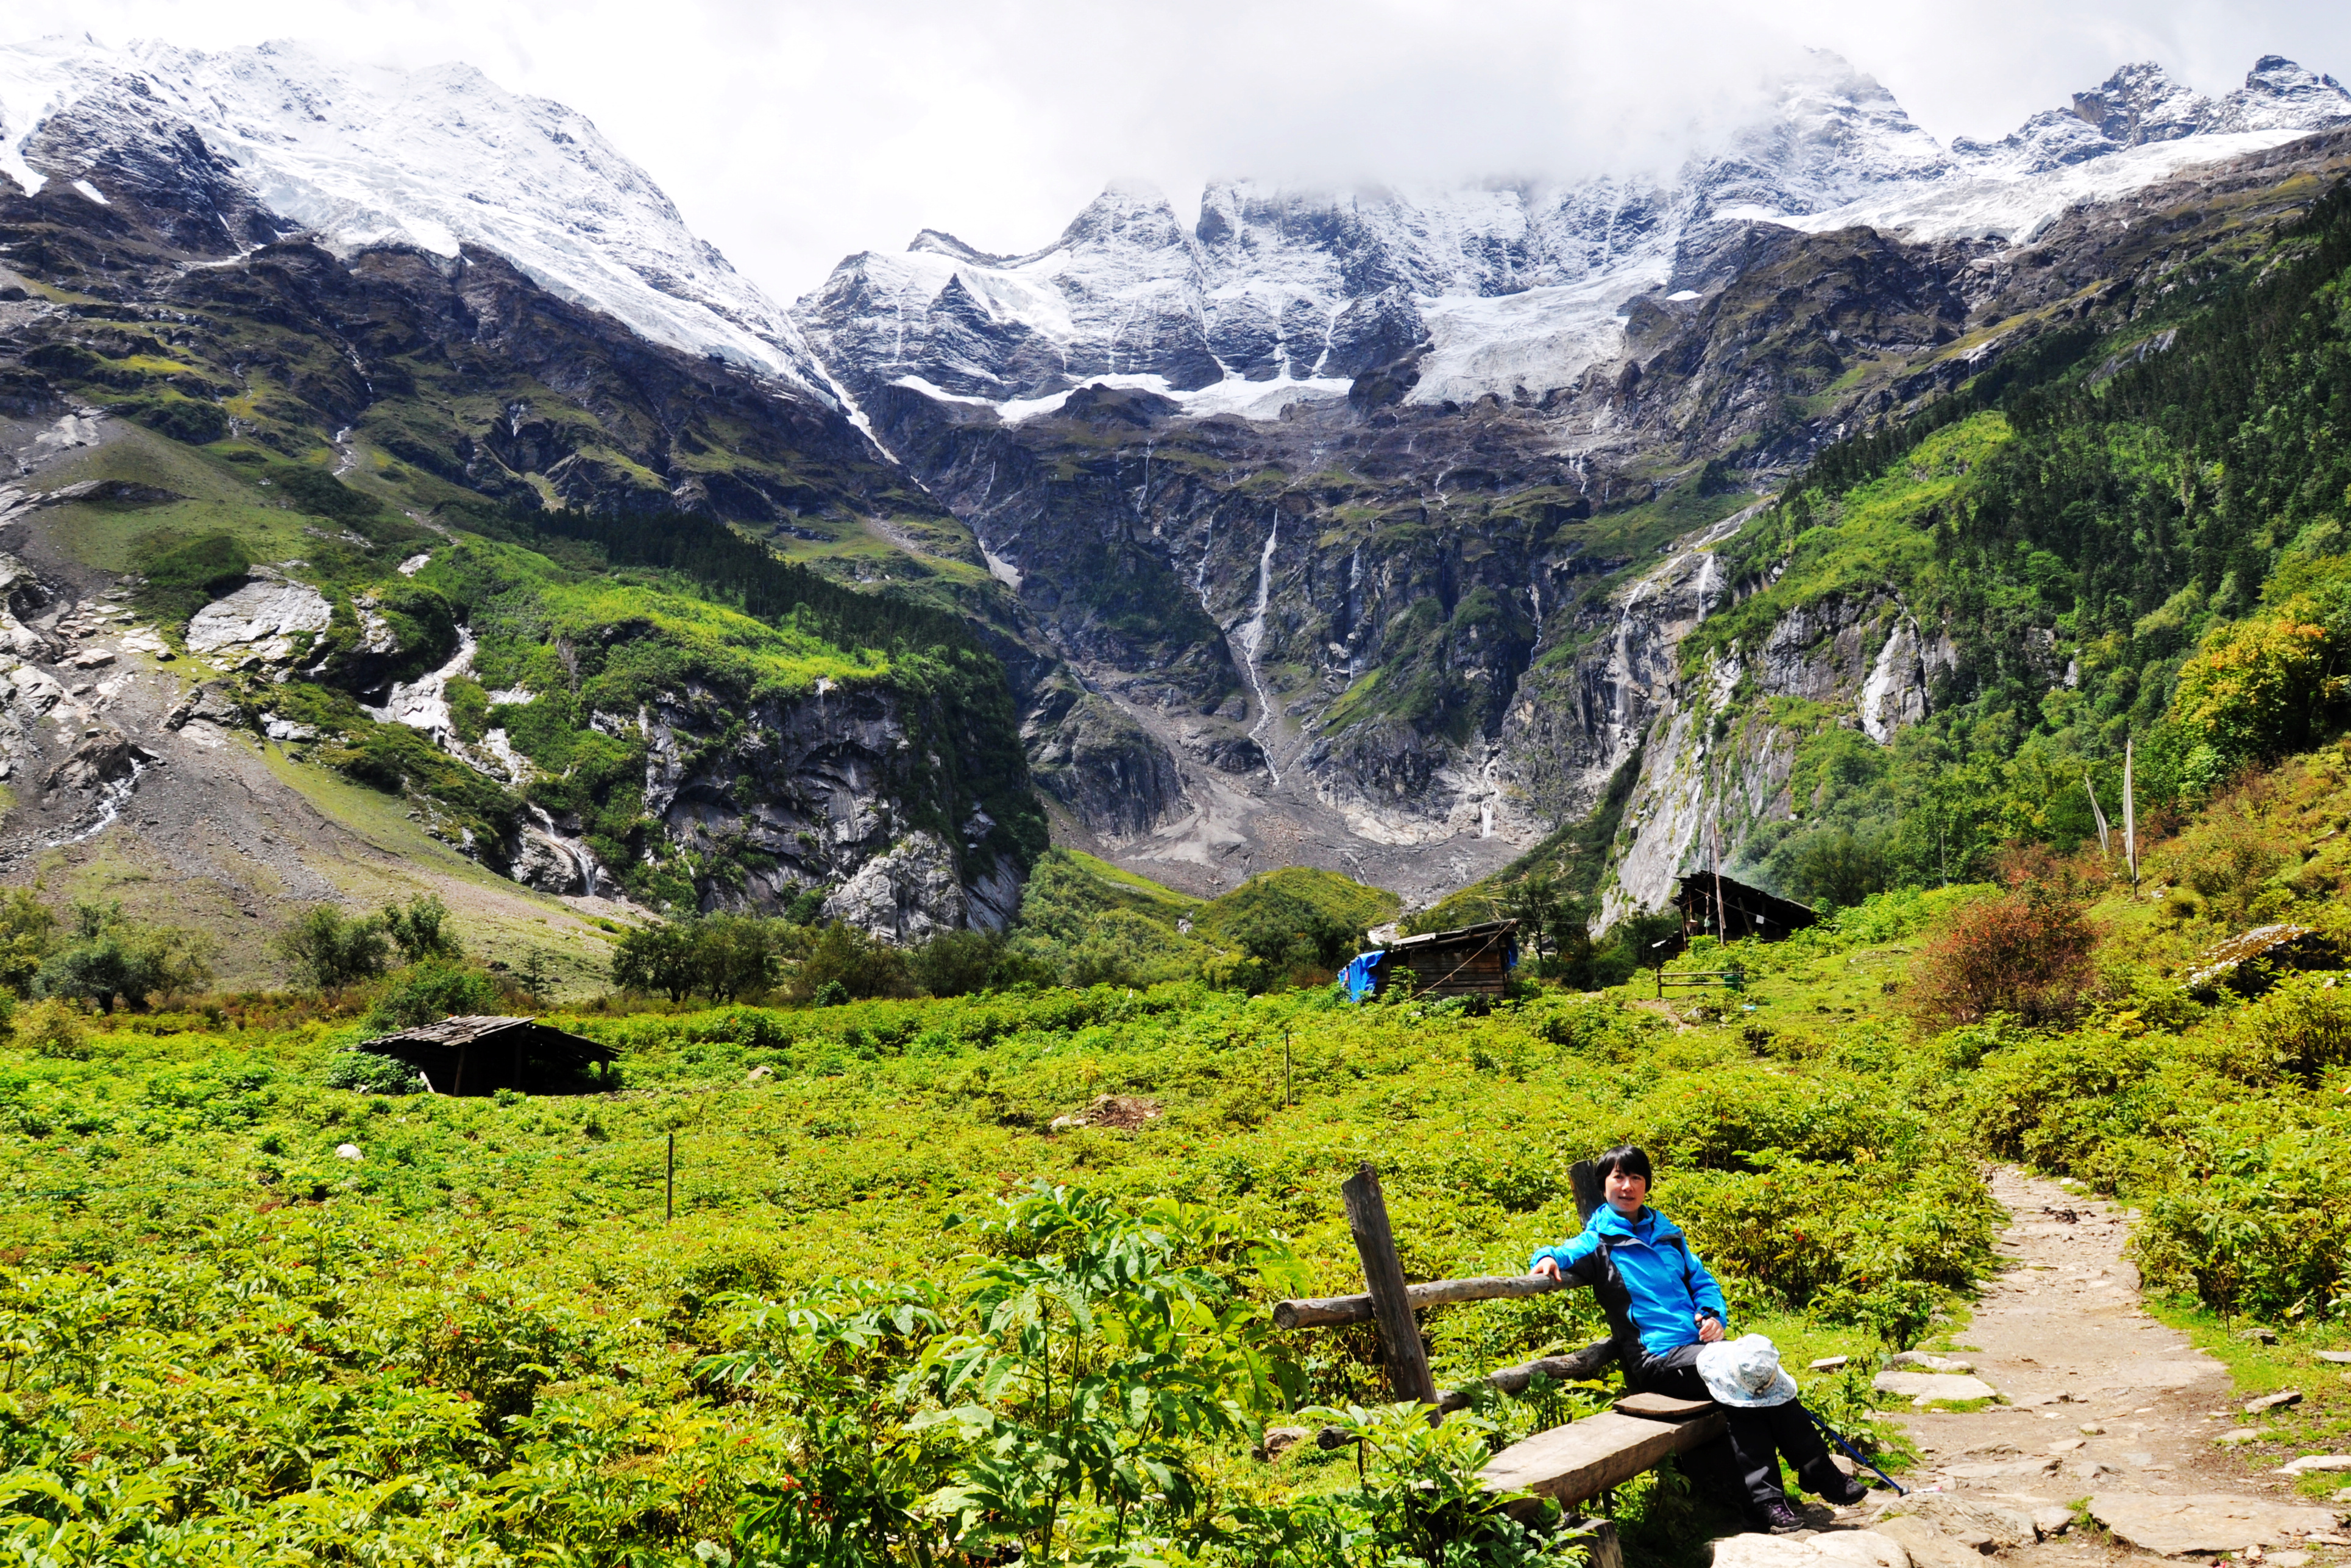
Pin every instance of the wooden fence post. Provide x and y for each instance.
(1585, 1179)
(1367, 1216)
(669, 1184)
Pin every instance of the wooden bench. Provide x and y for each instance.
(1568, 1464)
(1583, 1458)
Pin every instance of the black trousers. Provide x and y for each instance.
(1745, 1464)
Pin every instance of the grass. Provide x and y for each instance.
(2321, 1424)
(537, 1223)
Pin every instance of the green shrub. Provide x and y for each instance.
(182, 578)
(330, 950)
(430, 991)
(2304, 1024)
(110, 957)
(365, 1073)
(50, 1028)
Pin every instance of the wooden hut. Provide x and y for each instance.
(480, 1055)
(1714, 906)
(1473, 961)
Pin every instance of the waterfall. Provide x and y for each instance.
(111, 798)
(1252, 639)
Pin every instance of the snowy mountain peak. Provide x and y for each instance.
(2279, 93)
(1837, 131)
(2140, 104)
(437, 158)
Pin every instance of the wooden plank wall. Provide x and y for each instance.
(1454, 969)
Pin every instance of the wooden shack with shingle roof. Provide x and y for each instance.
(481, 1054)
(1469, 961)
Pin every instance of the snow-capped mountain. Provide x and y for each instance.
(1279, 294)
(437, 157)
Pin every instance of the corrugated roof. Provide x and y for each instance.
(1459, 934)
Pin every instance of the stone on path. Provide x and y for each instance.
(1829, 1549)
(2052, 1519)
(2001, 1524)
(1926, 1363)
(2241, 1435)
(1932, 1386)
(1832, 1363)
(2034, 1465)
(2309, 1462)
(2277, 1401)
(2176, 1526)
(2336, 1356)
(1928, 1547)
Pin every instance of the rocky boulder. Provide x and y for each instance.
(101, 757)
(907, 895)
(259, 620)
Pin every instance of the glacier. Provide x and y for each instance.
(1512, 290)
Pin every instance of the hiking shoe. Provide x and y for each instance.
(1782, 1519)
(1848, 1492)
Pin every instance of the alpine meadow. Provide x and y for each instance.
(643, 927)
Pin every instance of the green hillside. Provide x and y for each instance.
(252, 1314)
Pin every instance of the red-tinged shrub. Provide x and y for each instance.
(2026, 953)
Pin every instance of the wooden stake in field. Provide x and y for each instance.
(669, 1184)
(1288, 1100)
(2106, 845)
(1367, 1216)
(2130, 820)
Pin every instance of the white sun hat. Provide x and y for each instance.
(1745, 1372)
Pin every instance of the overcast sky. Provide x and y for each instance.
(793, 133)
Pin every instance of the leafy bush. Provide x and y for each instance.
(2304, 1025)
(2258, 688)
(50, 1028)
(860, 965)
(419, 930)
(110, 957)
(330, 950)
(365, 1073)
(430, 991)
(2026, 953)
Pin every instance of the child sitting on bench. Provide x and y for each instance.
(1664, 1309)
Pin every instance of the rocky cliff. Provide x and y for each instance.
(1373, 522)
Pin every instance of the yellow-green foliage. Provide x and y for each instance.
(1877, 533)
(477, 1339)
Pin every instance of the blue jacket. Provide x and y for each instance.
(1649, 1282)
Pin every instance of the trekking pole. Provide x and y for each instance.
(1854, 1453)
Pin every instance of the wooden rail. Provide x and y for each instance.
(1319, 1312)
(1577, 1367)
(1567, 1464)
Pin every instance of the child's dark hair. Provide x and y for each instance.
(1625, 1157)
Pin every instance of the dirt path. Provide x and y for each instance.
(2102, 1402)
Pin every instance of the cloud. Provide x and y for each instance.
(792, 132)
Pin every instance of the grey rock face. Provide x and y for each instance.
(263, 617)
(907, 895)
(1111, 774)
(539, 861)
(808, 791)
